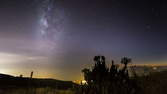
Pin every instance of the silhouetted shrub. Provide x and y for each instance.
(114, 80)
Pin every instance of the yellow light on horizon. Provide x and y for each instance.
(84, 82)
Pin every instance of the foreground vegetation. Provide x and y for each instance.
(21, 85)
(116, 79)
(154, 83)
(100, 79)
(46, 90)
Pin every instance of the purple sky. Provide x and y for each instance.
(57, 38)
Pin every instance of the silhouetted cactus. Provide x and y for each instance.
(87, 75)
(125, 61)
(113, 80)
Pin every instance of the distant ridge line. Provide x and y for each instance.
(147, 65)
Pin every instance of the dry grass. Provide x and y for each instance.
(38, 91)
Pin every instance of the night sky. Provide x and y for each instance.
(58, 38)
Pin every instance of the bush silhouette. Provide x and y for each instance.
(114, 80)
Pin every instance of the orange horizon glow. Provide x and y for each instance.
(11, 64)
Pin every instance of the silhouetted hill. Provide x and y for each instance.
(7, 81)
(5, 76)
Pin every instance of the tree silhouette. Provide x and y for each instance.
(125, 61)
(114, 80)
(87, 75)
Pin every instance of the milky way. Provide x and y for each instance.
(51, 27)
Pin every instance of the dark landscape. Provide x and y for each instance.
(83, 46)
(99, 80)
(12, 85)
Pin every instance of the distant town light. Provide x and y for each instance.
(154, 68)
(84, 82)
